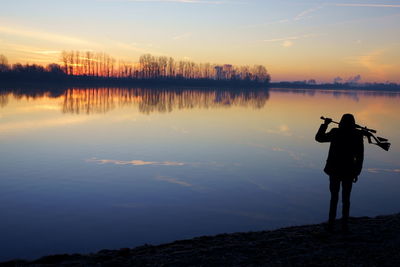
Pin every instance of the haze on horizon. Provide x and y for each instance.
(295, 40)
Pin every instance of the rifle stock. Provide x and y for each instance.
(384, 146)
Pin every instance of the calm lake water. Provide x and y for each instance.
(87, 169)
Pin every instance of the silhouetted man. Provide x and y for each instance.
(344, 163)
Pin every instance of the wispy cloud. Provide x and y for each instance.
(287, 43)
(281, 21)
(260, 186)
(289, 38)
(47, 52)
(29, 53)
(135, 162)
(367, 5)
(182, 36)
(179, 129)
(41, 35)
(302, 15)
(131, 46)
(281, 39)
(306, 13)
(294, 155)
(300, 158)
(22, 126)
(282, 129)
(378, 170)
(373, 61)
(173, 181)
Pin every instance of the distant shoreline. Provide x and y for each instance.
(97, 82)
(371, 242)
(123, 82)
(332, 86)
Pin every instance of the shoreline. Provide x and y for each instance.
(372, 241)
(99, 82)
(83, 81)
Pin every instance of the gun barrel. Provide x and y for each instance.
(323, 118)
(357, 126)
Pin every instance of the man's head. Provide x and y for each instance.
(347, 122)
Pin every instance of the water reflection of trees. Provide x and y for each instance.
(3, 99)
(101, 100)
(159, 100)
(26, 93)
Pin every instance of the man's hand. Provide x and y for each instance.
(327, 121)
(355, 179)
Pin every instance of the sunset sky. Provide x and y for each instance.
(295, 40)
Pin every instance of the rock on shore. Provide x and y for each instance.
(370, 242)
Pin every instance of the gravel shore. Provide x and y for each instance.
(370, 242)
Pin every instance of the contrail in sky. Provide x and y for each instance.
(170, 1)
(367, 5)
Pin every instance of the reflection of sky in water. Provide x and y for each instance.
(85, 170)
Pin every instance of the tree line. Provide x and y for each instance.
(92, 64)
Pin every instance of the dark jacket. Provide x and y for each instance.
(346, 152)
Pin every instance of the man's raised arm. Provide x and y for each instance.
(321, 135)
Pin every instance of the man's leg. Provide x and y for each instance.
(334, 187)
(347, 184)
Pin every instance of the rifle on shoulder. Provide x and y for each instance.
(369, 133)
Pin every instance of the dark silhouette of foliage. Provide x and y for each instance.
(88, 67)
(152, 67)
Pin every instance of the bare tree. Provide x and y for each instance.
(3, 63)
